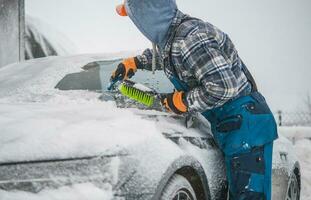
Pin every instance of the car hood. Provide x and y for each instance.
(40, 131)
(39, 122)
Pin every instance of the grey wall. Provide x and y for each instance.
(11, 31)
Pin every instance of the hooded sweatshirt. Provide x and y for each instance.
(152, 17)
(191, 50)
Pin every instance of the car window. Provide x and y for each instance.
(95, 77)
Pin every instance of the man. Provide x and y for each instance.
(209, 76)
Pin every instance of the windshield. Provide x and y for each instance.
(95, 76)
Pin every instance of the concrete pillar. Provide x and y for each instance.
(12, 28)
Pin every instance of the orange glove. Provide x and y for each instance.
(125, 70)
(175, 102)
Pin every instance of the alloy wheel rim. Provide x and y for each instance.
(293, 189)
(183, 194)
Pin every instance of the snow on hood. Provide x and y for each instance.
(153, 17)
(74, 129)
(69, 128)
(39, 122)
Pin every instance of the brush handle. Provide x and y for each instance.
(112, 83)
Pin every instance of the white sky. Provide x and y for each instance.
(272, 36)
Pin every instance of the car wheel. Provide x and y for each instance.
(293, 190)
(178, 188)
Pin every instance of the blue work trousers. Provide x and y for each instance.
(244, 129)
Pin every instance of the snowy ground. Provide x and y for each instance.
(302, 145)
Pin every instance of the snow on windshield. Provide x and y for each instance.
(34, 80)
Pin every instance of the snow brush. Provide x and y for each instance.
(139, 93)
(149, 98)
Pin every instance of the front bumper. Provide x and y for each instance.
(39, 175)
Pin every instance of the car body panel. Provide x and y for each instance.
(42, 102)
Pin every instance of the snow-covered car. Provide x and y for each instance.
(42, 40)
(60, 129)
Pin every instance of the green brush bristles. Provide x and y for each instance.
(137, 95)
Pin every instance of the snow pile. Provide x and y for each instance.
(295, 133)
(85, 191)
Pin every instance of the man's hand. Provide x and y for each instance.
(175, 102)
(125, 70)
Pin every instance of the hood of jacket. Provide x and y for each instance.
(152, 17)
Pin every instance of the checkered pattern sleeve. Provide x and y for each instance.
(146, 60)
(217, 82)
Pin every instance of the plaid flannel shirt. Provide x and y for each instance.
(204, 58)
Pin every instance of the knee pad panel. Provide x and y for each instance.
(247, 172)
(252, 162)
(252, 196)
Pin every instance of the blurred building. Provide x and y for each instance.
(12, 26)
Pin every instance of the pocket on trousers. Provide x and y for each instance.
(228, 133)
(229, 124)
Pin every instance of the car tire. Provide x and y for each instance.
(293, 190)
(178, 188)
